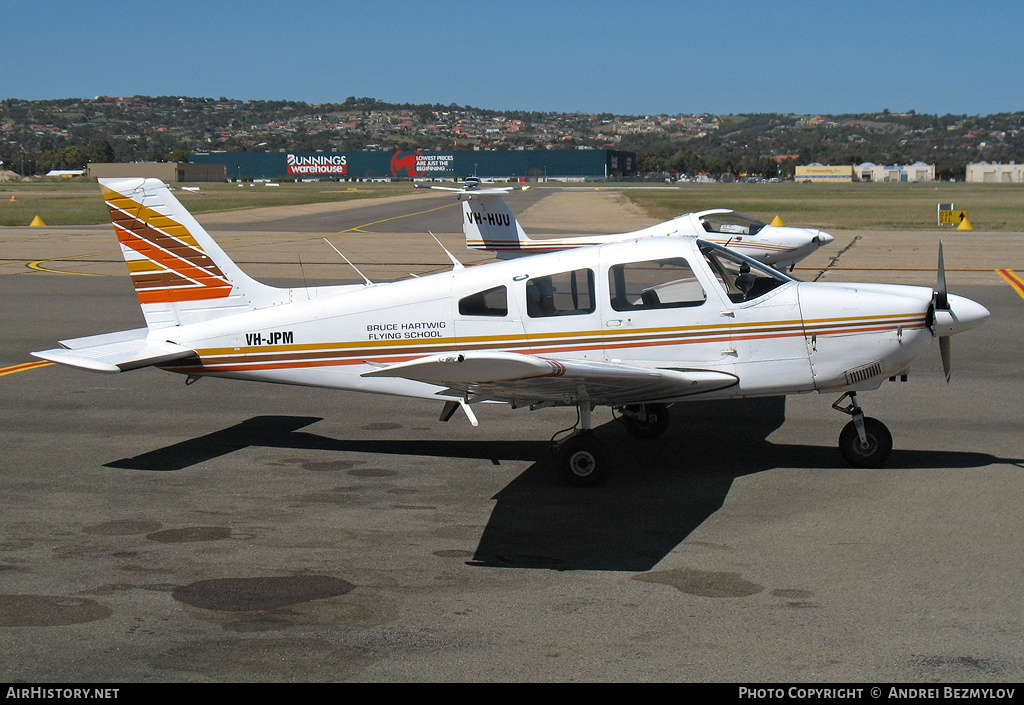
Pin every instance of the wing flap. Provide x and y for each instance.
(115, 352)
(466, 368)
(528, 379)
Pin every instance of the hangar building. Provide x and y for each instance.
(985, 173)
(918, 171)
(168, 172)
(567, 164)
(867, 171)
(820, 174)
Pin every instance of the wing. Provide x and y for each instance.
(528, 379)
(439, 188)
(497, 191)
(116, 352)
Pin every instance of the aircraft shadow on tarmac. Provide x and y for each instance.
(660, 491)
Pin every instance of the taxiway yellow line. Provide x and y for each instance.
(892, 269)
(37, 265)
(1013, 279)
(359, 228)
(23, 367)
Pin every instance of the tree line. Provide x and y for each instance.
(69, 134)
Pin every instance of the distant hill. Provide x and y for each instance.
(43, 134)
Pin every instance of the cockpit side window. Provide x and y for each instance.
(563, 294)
(742, 279)
(665, 283)
(491, 302)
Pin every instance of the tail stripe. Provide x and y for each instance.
(173, 266)
(176, 279)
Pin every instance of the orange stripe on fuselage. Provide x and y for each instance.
(253, 358)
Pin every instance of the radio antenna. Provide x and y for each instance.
(368, 282)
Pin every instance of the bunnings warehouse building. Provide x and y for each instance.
(571, 164)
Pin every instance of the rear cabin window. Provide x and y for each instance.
(492, 302)
(562, 294)
(653, 284)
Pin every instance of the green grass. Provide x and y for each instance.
(865, 206)
(80, 202)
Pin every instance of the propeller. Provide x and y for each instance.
(940, 302)
(944, 352)
(941, 298)
(944, 321)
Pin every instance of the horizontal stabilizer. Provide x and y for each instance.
(116, 352)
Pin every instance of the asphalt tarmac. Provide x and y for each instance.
(237, 532)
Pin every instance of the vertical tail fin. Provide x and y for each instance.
(180, 274)
(489, 225)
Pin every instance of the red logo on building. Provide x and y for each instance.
(404, 164)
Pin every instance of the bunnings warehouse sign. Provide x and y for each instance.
(418, 164)
(316, 164)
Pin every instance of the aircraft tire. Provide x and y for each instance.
(879, 444)
(655, 425)
(583, 461)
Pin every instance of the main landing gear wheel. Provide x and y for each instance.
(645, 420)
(864, 442)
(583, 460)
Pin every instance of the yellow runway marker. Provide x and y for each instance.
(23, 367)
(359, 228)
(1013, 279)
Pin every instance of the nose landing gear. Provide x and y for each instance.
(865, 442)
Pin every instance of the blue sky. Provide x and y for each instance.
(637, 57)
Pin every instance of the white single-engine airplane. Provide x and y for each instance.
(490, 225)
(635, 326)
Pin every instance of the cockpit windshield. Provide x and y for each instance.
(742, 278)
(731, 223)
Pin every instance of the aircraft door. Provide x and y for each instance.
(560, 313)
(662, 311)
(769, 344)
(767, 338)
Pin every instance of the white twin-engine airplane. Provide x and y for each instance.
(635, 326)
(489, 225)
